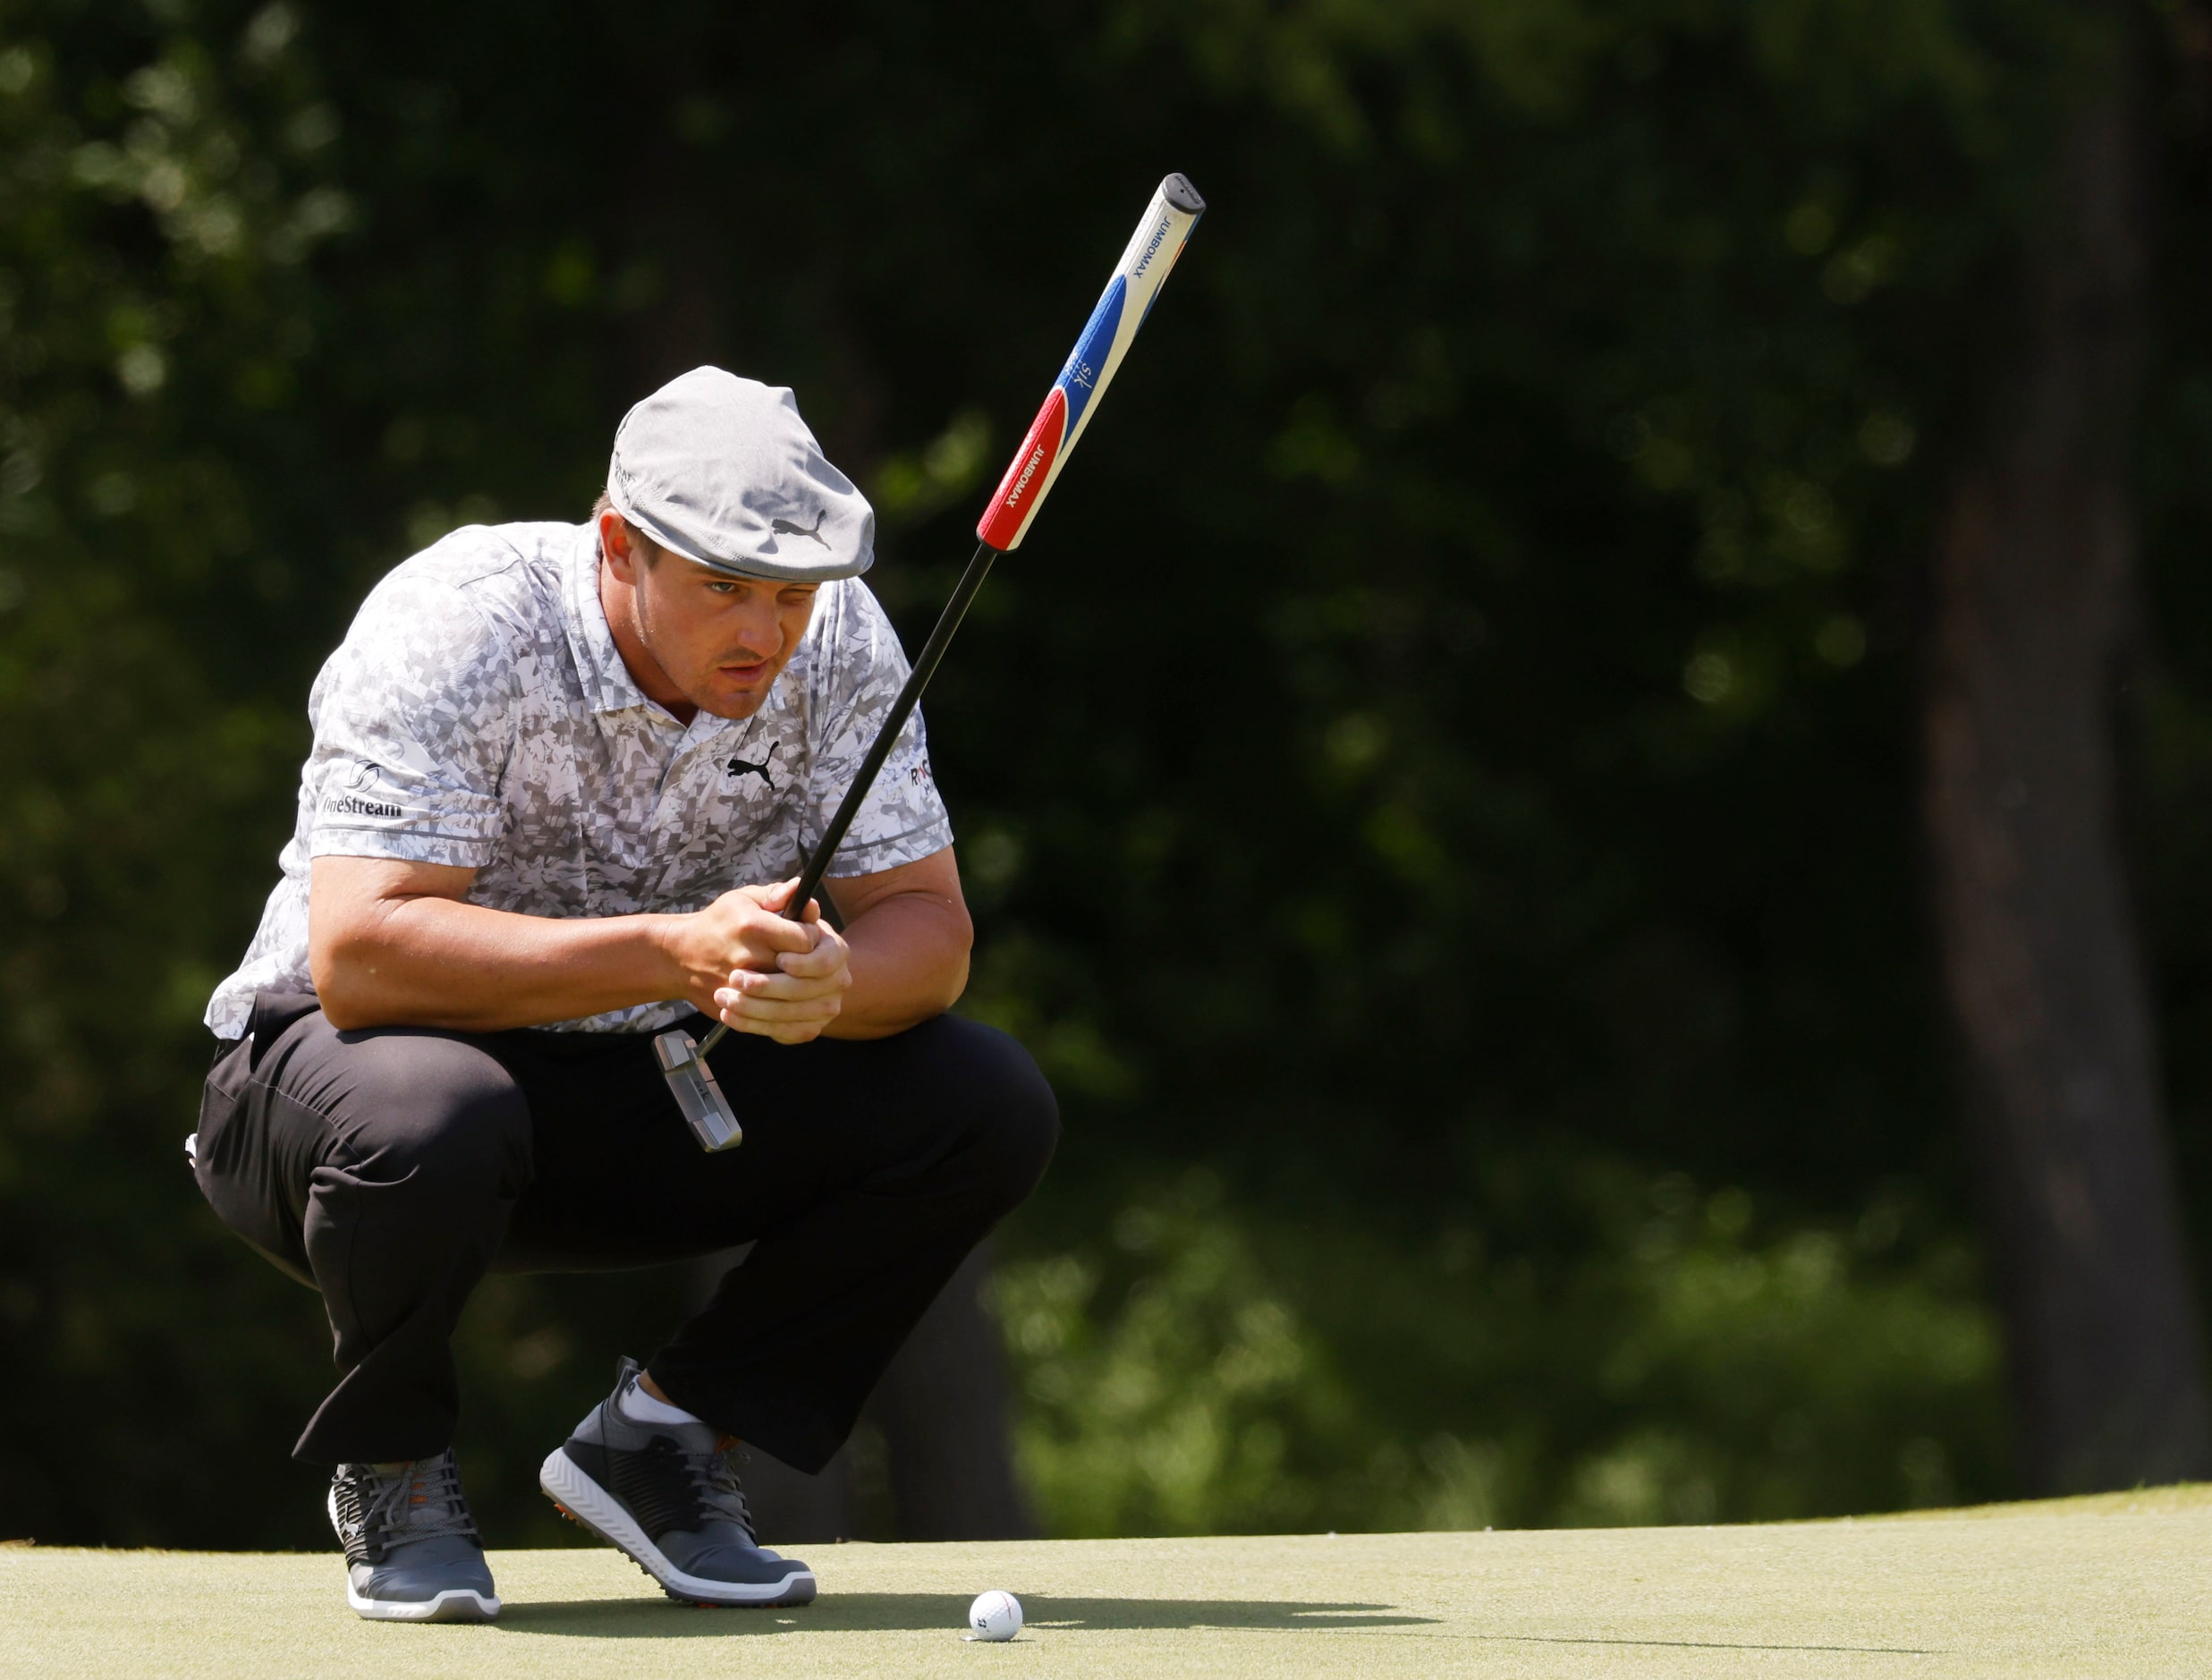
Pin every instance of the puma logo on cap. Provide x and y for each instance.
(785, 528)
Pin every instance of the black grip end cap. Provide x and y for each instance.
(1178, 192)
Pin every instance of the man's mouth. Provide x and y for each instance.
(743, 671)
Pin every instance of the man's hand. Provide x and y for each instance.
(750, 967)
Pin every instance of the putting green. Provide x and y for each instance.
(2117, 1585)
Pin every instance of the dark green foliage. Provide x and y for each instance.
(1437, 786)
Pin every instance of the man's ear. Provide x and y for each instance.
(615, 545)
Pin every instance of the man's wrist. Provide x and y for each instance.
(663, 933)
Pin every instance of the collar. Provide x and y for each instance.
(608, 682)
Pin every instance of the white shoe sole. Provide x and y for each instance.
(591, 1507)
(456, 1604)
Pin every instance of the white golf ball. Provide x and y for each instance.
(995, 1616)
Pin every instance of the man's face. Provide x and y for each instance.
(719, 642)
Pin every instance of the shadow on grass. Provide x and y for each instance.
(929, 1612)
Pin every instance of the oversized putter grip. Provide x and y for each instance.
(1127, 300)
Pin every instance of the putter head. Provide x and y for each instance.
(706, 1110)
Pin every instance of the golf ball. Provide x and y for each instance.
(995, 1616)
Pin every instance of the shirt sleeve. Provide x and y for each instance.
(902, 819)
(414, 718)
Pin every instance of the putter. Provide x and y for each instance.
(1121, 308)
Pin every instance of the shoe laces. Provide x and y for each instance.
(419, 1501)
(715, 1488)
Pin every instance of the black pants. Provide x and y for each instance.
(391, 1168)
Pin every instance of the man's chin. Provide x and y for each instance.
(736, 707)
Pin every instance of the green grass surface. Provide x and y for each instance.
(2116, 1585)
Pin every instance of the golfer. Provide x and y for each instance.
(560, 781)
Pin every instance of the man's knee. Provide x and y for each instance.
(1017, 1115)
(435, 1112)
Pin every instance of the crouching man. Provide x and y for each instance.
(561, 779)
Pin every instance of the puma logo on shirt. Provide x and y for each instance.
(740, 766)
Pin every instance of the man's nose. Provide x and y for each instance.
(759, 633)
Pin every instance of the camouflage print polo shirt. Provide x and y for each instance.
(478, 714)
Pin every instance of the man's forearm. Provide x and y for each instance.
(909, 962)
(393, 943)
(432, 962)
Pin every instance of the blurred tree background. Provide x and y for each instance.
(1445, 791)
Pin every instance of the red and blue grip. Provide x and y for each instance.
(1127, 300)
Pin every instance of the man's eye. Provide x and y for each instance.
(723, 589)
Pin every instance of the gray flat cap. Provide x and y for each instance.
(722, 471)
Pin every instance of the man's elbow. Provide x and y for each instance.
(960, 945)
(954, 982)
(343, 967)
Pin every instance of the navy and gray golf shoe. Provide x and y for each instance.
(666, 1496)
(412, 1548)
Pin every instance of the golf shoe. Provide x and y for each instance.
(666, 1496)
(412, 1548)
